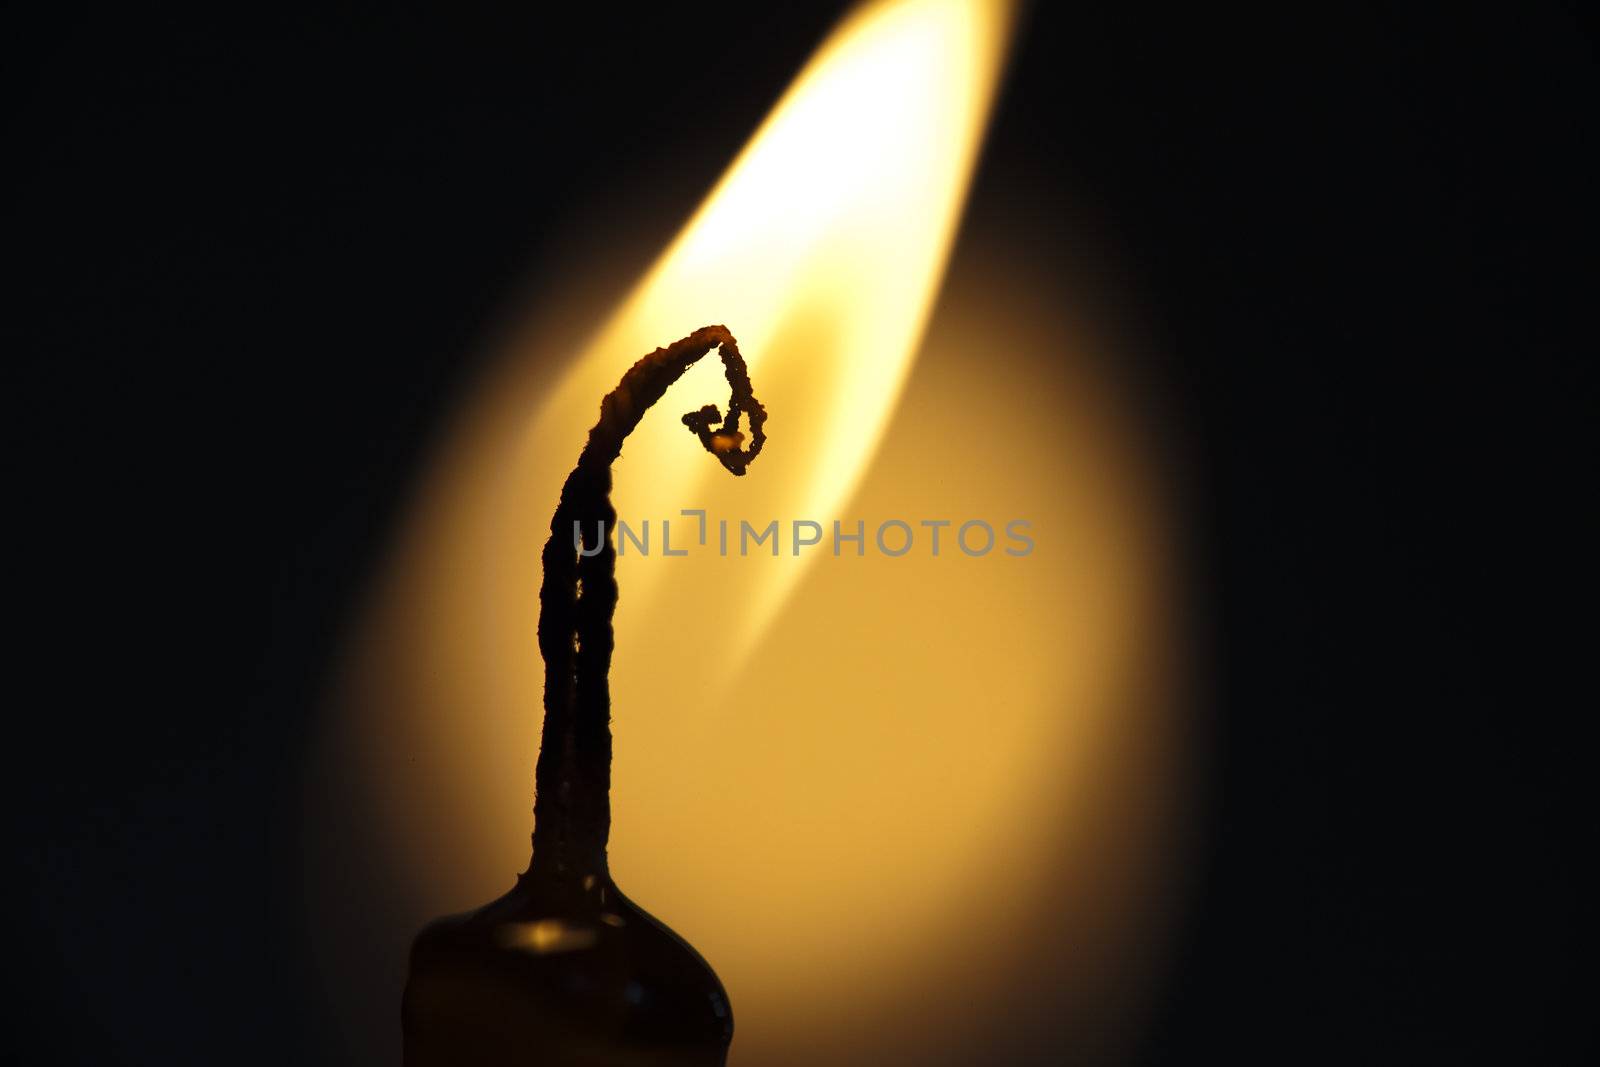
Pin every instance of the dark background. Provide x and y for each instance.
(257, 253)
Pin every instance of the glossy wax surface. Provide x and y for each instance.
(557, 973)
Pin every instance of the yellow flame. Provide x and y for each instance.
(822, 249)
(934, 801)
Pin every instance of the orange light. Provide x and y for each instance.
(854, 784)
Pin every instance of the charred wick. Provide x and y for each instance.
(578, 598)
(564, 968)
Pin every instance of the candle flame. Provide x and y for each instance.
(941, 774)
(822, 248)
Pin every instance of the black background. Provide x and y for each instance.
(258, 252)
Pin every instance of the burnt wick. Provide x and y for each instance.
(578, 598)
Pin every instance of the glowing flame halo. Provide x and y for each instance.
(776, 850)
(822, 248)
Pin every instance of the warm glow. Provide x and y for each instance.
(881, 795)
(546, 936)
(822, 250)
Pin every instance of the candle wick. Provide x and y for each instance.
(578, 598)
